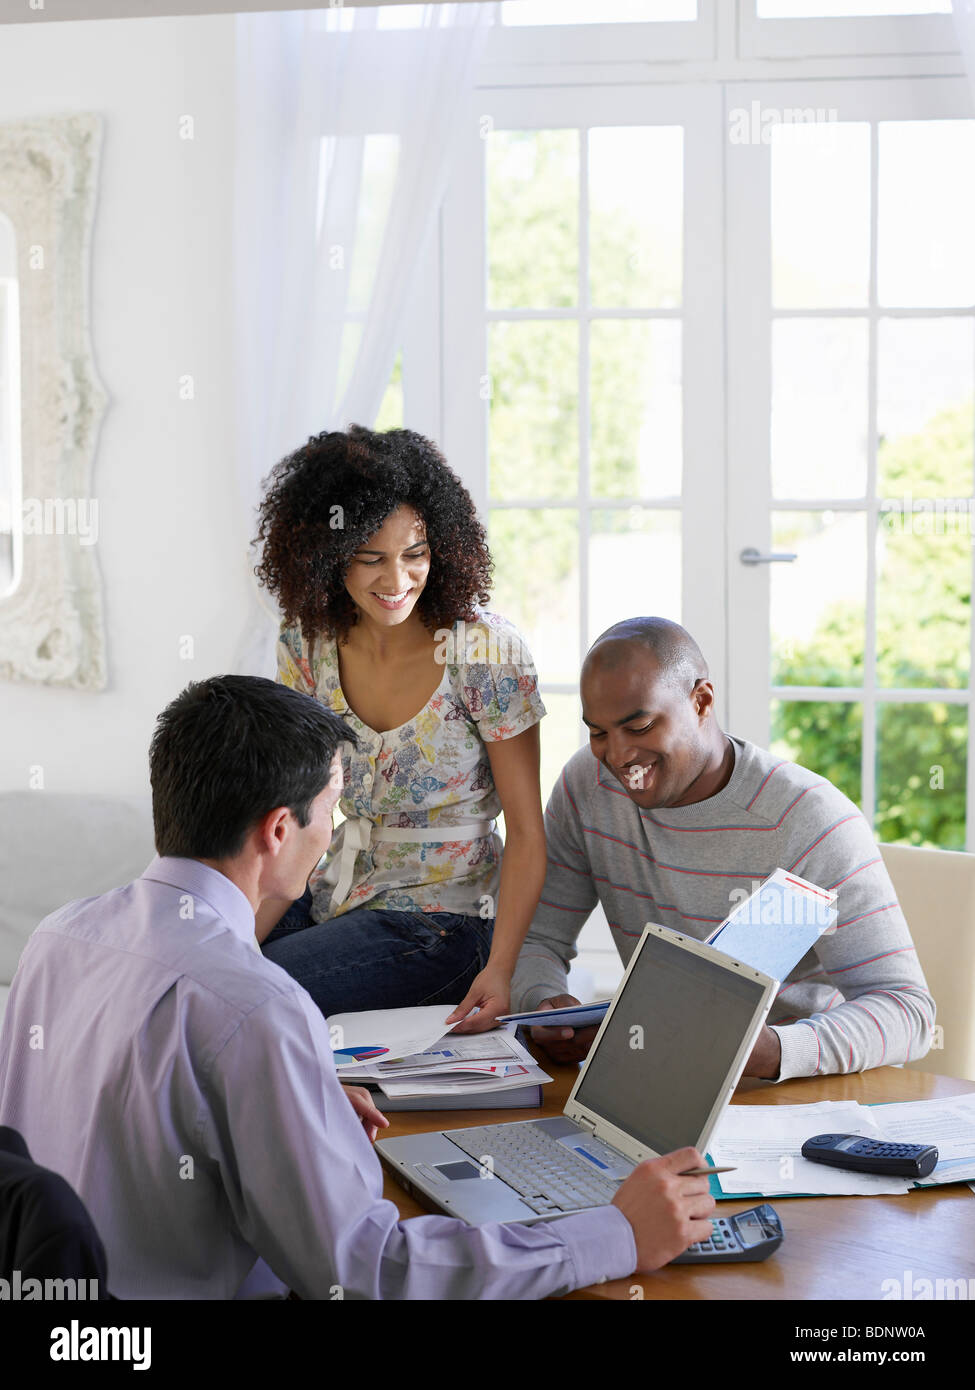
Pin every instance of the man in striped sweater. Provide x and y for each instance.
(665, 818)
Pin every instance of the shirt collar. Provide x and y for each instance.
(212, 887)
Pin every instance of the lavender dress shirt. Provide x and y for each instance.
(184, 1086)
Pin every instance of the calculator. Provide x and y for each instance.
(864, 1155)
(751, 1235)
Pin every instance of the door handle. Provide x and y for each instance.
(751, 556)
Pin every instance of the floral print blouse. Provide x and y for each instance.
(431, 771)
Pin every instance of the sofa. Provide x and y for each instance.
(59, 846)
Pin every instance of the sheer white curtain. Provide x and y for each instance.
(964, 16)
(346, 131)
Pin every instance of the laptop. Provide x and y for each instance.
(659, 1074)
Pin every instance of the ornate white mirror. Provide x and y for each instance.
(51, 404)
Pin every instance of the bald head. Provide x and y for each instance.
(648, 704)
(677, 656)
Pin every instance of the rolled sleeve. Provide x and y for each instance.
(801, 1053)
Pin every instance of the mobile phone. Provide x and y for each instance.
(865, 1155)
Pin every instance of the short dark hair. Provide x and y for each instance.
(229, 749)
(328, 497)
(678, 657)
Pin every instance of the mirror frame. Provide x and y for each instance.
(52, 627)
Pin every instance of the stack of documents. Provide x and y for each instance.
(409, 1055)
(763, 1142)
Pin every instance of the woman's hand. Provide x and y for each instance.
(362, 1103)
(490, 994)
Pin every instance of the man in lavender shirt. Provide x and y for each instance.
(184, 1085)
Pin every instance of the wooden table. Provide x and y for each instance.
(834, 1247)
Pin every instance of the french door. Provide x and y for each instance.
(583, 381)
(709, 352)
(851, 366)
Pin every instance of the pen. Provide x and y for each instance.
(703, 1172)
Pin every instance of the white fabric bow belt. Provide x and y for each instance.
(358, 833)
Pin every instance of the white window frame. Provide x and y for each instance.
(664, 41)
(832, 37)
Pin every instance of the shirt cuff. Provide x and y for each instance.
(600, 1244)
(800, 1051)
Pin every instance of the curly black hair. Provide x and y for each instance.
(328, 497)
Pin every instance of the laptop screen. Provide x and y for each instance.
(667, 1050)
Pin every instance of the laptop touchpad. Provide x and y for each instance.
(456, 1171)
(559, 1127)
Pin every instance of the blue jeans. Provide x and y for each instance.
(376, 958)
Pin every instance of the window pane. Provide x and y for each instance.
(824, 735)
(390, 415)
(817, 601)
(562, 733)
(820, 214)
(536, 584)
(514, 12)
(534, 449)
(350, 340)
(927, 213)
(844, 9)
(923, 603)
(636, 223)
(925, 375)
(533, 219)
(634, 567)
(636, 411)
(921, 777)
(819, 408)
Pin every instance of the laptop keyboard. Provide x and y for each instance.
(544, 1173)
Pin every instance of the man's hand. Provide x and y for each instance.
(490, 994)
(564, 1044)
(667, 1212)
(766, 1058)
(362, 1103)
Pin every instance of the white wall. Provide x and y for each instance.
(160, 307)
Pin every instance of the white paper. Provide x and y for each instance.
(764, 1144)
(948, 1123)
(473, 1063)
(463, 1050)
(402, 1032)
(442, 1058)
(458, 1086)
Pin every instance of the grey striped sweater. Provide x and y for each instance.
(857, 1000)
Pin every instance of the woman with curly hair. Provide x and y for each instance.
(373, 549)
